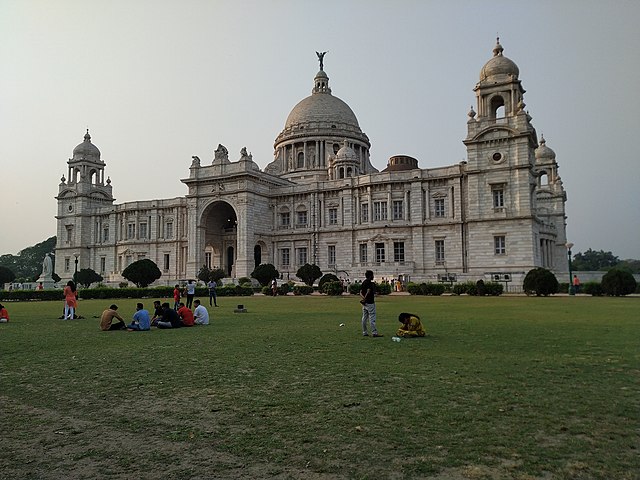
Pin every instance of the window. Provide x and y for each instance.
(379, 211)
(331, 254)
(67, 263)
(438, 207)
(285, 219)
(284, 257)
(300, 160)
(302, 255)
(166, 262)
(363, 253)
(128, 261)
(143, 230)
(364, 213)
(69, 233)
(302, 218)
(398, 251)
(439, 252)
(333, 216)
(379, 252)
(498, 196)
(131, 231)
(500, 245)
(103, 264)
(398, 213)
(169, 230)
(207, 259)
(105, 233)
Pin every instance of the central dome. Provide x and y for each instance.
(322, 109)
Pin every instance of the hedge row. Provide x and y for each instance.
(103, 293)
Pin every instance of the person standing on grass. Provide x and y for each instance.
(367, 300)
(576, 284)
(186, 315)
(212, 292)
(176, 297)
(201, 315)
(170, 318)
(190, 289)
(4, 315)
(106, 321)
(70, 300)
(141, 320)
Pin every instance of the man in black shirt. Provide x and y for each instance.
(367, 294)
(170, 318)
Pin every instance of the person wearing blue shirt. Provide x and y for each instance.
(141, 320)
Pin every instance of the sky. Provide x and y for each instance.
(157, 81)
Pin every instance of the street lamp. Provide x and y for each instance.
(75, 275)
(569, 245)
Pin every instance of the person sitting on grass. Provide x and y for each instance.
(4, 315)
(106, 321)
(186, 315)
(201, 315)
(170, 318)
(411, 326)
(141, 320)
(157, 313)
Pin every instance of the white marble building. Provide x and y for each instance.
(501, 212)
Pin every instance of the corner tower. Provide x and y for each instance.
(80, 197)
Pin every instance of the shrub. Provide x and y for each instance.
(382, 289)
(617, 282)
(354, 288)
(327, 277)
(592, 288)
(309, 273)
(494, 289)
(243, 280)
(332, 288)
(123, 284)
(142, 272)
(302, 290)
(87, 276)
(540, 281)
(468, 288)
(284, 289)
(265, 273)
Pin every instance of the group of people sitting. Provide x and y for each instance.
(164, 316)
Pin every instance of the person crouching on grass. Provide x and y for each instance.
(411, 326)
(106, 321)
(4, 315)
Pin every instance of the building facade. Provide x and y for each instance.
(492, 217)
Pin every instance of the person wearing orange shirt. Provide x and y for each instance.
(70, 300)
(4, 315)
(186, 315)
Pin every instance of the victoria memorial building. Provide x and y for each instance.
(493, 216)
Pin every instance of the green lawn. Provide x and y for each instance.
(501, 388)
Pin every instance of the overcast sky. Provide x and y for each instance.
(161, 80)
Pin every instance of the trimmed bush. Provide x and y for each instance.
(354, 288)
(435, 289)
(618, 282)
(332, 288)
(327, 277)
(302, 290)
(540, 282)
(494, 289)
(284, 289)
(592, 288)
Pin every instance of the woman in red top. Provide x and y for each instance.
(176, 297)
(4, 315)
(70, 300)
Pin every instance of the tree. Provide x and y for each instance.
(594, 261)
(617, 282)
(309, 273)
(142, 273)
(87, 276)
(28, 263)
(540, 281)
(6, 275)
(265, 273)
(632, 265)
(327, 277)
(206, 274)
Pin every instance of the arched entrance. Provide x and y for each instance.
(220, 236)
(257, 255)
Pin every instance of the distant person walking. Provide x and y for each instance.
(70, 300)
(212, 292)
(367, 300)
(190, 289)
(576, 284)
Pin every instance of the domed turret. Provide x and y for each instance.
(543, 152)
(499, 66)
(86, 149)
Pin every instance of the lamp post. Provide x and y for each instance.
(569, 245)
(75, 274)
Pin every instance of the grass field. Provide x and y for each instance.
(501, 388)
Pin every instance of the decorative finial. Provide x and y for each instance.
(87, 137)
(108, 180)
(542, 140)
(497, 50)
(321, 58)
(472, 112)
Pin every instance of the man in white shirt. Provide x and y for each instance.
(200, 314)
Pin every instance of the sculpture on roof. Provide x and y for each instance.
(321, 58)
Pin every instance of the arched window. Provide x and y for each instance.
(349, 172)
(301, 160)
(341, 172)
(544, 179)
(497, 107)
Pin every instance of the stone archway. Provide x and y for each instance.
(220, 224)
